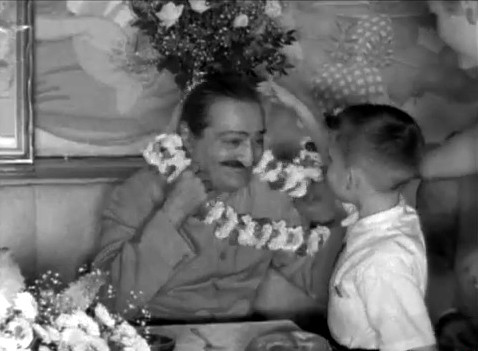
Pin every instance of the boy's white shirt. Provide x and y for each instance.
(377, 290)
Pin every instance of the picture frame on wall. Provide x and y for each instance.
(16, 63)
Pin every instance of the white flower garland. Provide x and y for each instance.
(292, 178)
(168, 154)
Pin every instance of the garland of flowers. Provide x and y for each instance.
(293, 177)
(196, 37)
(168, 154)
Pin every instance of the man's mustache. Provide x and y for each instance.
(233, 164)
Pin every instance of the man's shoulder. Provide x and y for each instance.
(144, 182)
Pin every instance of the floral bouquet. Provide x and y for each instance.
(197, 37)
(41, 318)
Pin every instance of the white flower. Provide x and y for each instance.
(26, 304)
(230, 222)
(294, 176)
(170, 14)
(266, 233)
(72, 336)
(53, 333)
(126, 329)
(42, 333)
(199, 5)
(104, 316)
(22, 332)
(246, 234)
(279, 241)
(80, 294)
(126, 336)
(295, 238)
(78, 340)
(273, 9)
(267, 157)
(241, 21)
(44, 348)
(300, 190)
(78, 319)
(139, 344)
(215, 213)
(7, 344)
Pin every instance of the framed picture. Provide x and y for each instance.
(16, 62)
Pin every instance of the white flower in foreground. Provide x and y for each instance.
(241, 21)
(103, 316)
(78, 340)
(127, 330)
(170, 14)
(78, 319)
(7, 344)
(42, 333)
(273, 8)
(53, 333)
(22, 332)
(199, 5)
(27, 305)
(80, 294)
(139, 344)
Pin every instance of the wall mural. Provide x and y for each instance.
(93, 87)
(89, 88)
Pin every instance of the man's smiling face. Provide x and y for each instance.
(232, 143)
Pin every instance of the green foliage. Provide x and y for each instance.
(207, 42)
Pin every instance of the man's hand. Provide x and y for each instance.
(185, 198)
(457, 334)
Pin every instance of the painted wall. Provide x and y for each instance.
(89, 102)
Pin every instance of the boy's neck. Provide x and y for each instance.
(376, 202)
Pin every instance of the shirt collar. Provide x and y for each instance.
(353, 216)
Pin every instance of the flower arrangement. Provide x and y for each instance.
(196, 37)
(47, 317)
(168, 154)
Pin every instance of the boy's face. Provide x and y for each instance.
(339, 175)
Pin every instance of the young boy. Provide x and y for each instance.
(378, 286)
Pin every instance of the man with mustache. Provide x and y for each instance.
(152, 241)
